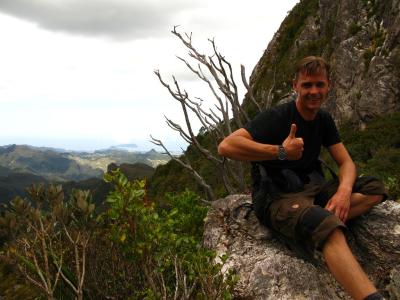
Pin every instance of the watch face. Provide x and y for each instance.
(282, 153)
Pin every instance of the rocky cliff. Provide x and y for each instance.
(269, 270)
(359, 38)
(361, 41)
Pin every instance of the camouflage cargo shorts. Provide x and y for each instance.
(301, 219)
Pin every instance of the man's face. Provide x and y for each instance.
(312, 91)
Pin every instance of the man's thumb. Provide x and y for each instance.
(293, 129)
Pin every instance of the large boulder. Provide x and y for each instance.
(267, 269)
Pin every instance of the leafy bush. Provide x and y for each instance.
(133, 250)
(165, 244)
(46, 239)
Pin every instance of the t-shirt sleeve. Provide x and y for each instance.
(331, 135)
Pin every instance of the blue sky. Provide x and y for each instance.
(79, 74)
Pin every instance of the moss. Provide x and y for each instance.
(294, 24)
(372, 8)
(315, 47)
(368, 55)
(377, 40)
(354, 28)
(290, 29)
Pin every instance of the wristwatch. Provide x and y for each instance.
(282, 155)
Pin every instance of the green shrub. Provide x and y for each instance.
(133, 250)
(165, 244)
(46, 239)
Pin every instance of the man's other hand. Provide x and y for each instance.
(293, 146)
(339, 204)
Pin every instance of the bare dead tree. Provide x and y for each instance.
(52, 238)
(35, 263)
(79, 244)
(268, 100)
(216, 120)
(250, 91)
(196, 175)
(224, 115)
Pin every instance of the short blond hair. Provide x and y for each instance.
(312, 65)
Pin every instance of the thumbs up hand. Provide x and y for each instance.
(293, 146)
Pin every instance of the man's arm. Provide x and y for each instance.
(339, 204)
(240, 145)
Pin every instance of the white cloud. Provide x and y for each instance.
(118, 18)
(62, 81)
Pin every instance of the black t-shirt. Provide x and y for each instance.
(273, 126)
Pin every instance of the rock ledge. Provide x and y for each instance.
(268, 270)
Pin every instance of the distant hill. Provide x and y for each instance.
(102, 158)
(127, 147)
(52, 165)
(133, 171)
(63, 165)
(100, 189)
(5, 171)
(14, 183)
(23, 165)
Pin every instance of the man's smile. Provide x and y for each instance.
(313, 98)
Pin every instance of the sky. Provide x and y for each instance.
(79, 75)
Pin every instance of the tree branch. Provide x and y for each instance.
(197, 176)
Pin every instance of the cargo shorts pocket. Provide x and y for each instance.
(285, 215)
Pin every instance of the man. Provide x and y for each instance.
(284, 144)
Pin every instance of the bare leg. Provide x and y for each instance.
(345, 268)
(361, 204)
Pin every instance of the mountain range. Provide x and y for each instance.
(63, 165)
(23, 165)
